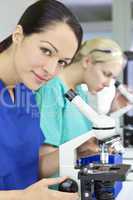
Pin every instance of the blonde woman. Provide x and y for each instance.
(97, 62)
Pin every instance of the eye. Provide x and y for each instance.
(46, 51)
(107, 74)
(62, 63)
(97, 62)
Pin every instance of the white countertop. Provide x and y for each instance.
(128, 154)
(126, 192)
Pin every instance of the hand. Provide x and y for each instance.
(112, 150)
(119, 101)
(40, 191)
(90, 147)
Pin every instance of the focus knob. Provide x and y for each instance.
(69, 185)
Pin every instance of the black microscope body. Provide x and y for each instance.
(96, 181)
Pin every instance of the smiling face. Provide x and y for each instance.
(38, 57)
(101, 75)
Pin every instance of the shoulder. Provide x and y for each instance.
(55, 85)
(53, 91)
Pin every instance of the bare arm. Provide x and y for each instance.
(39, 191)
(49, 160)
(90, 147)
(49, 156)
(46, 149)
(11, 195)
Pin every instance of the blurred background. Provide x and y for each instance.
(111, 18)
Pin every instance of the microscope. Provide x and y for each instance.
(95, 179)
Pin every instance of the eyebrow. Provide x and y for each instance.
(54, 48)
(101, 50)
(50, 45)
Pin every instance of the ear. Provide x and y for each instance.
(18, 35)
(86, 61)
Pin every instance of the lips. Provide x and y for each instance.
(99, 89)
(39, 78)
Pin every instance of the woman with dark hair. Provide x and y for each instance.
(46, 39)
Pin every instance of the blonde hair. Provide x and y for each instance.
(101, 50)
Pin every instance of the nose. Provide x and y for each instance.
(52, 66)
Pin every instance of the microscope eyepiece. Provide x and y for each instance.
(70, 95)
(117, 83)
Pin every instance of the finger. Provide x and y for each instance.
(86, 153)
(53, 181)
(72, 196)
(67, 195)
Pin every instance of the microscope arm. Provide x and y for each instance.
(68, 154)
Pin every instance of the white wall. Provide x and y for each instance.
(10, 12)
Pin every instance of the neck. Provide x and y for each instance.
(72, 75)
(7, 71)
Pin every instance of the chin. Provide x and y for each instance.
(32, 86)
(93, 92)
(35, 87)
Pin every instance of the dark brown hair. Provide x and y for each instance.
(42, 14)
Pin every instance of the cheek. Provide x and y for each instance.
(58, 70)
(99, 77)
(33, 58)
(89, 80)
(37, 62)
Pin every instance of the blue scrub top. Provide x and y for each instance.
(20, 138)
